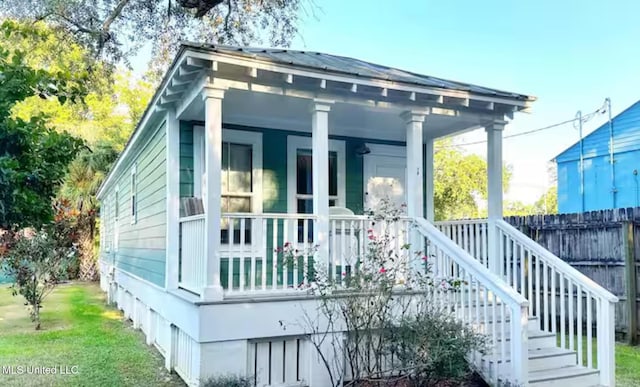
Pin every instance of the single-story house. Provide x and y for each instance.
(244, 150)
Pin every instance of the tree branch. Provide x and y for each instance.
(226, 19)
(114, 15)
(202, 6)
(78, 26)
(105, 35)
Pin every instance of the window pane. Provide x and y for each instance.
(235, 204)
(304, 172)
(333, 174)
(240, 168)
(305, 206)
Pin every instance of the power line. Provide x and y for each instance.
(585, 118)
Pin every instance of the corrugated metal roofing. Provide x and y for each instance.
(351, 66)
(626, 129)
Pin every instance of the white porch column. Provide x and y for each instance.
(213, 165)
(320, 165)
(172, 126)
(414, 183)
(494, 185)
(430, 179)
(415, 204)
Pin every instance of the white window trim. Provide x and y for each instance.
(133, 196)
(298, 142)
(255, 140)
(237, 137)
(198, 155)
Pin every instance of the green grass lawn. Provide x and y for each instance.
(627, 361)
(627, 365)
(77, 330)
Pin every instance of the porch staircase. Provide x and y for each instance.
(546, 323)
(548, 364)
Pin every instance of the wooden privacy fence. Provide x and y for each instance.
(603, 245)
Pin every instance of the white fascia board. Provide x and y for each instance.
(296, 71)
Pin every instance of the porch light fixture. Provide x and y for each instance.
(363, 150)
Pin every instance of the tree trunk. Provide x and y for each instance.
(36, 315)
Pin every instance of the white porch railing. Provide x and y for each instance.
(471, 235)
(252, 257)
(564, 300)
(251, 252)
(192, 255)
(483, 301)
(349, 242)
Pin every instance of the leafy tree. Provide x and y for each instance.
(518, 208)
(114, 102)
(86, 174)
(115, 29)
(460, 182)
(33, 157)
(108, 115)
(548, 202)
(105, 119)
(37, 262)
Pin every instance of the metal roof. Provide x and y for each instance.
(350, 66)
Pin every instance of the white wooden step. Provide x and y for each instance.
(539, 359)
(532, 326)
(571, 376)
(536, 340)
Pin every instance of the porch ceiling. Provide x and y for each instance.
(248, 108)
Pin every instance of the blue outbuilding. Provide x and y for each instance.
(611, 160)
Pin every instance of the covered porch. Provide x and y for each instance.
(300, 156)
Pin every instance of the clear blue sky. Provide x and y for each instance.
(570, 54)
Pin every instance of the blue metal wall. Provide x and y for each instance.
(598, 185)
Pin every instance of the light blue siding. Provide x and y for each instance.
(141, 248)
(626, 137)
(599, 190)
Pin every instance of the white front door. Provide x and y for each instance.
(384, 175)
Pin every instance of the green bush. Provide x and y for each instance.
(229, 381)
(36, 263)
(433, 345)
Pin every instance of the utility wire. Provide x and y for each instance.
(585, 118)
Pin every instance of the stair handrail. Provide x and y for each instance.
(556, 262)
(469, 263)
(517, 304)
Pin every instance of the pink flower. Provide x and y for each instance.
(370, 230)
(344, 274)
(383, 270)
(287, 244)
(424, 258)
(371, 237)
